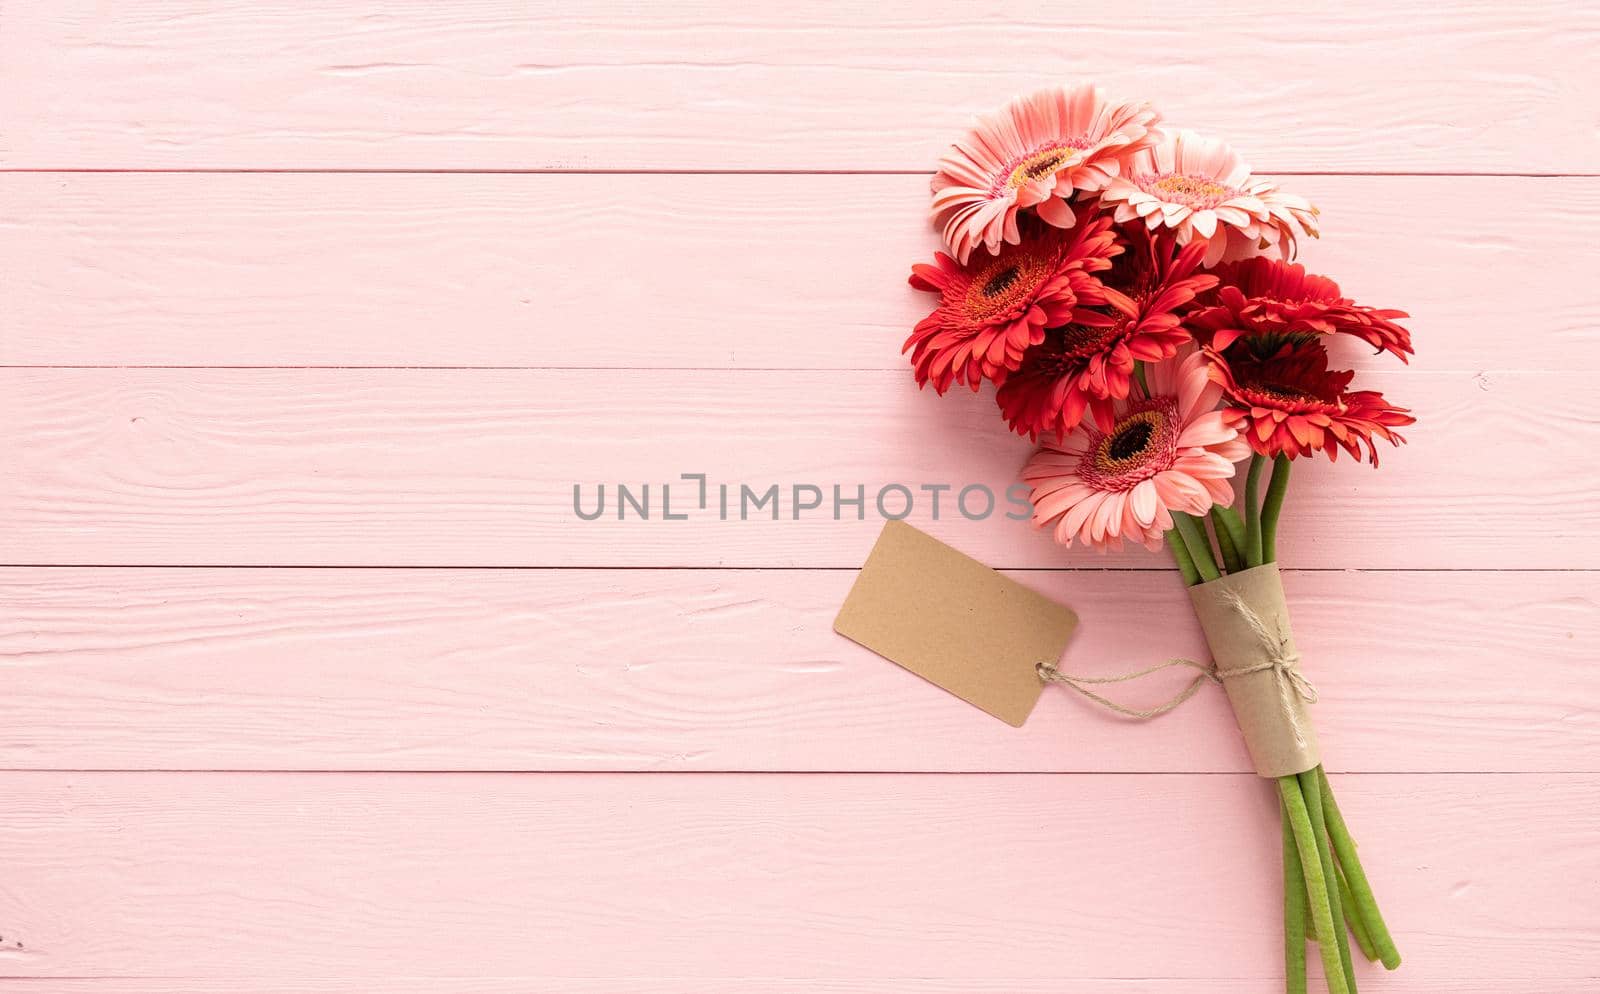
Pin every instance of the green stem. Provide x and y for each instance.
(1199, 546)
(1294, 912)
(1360, 889)
(1180, 552)
(1272, 508)
(1252, 510)
(1229, 519)
(1358, 928)
(1312, 791)
(1305, 842)
(1225, 544)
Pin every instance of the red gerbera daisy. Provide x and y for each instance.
(991, 310)
(1289, 402)
(1157, 273)
(1084, 366)
(1268, 296)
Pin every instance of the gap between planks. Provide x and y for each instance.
(738, 985)
(778, 569)
(434, 772)
(514, 368)
(724, 172)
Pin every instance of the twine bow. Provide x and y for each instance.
(1281, 660)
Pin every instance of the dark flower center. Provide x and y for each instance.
(1081, 341)
(1292, 381)
(1264, 345)
(1002, 281)
(1006, 285)
(1130, 441)
(1066, 350)
(1284, 391)
(1140, 445)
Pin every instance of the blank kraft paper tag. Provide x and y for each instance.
(955, 622)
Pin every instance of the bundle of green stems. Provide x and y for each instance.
(1323, 880)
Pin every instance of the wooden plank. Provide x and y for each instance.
(308, 875)
(788, 271)
(478, 468)
(708, 84)
(739, 670)
(1405, 983)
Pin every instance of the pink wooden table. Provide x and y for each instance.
(311, 314)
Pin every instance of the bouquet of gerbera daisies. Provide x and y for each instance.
(1131, 294)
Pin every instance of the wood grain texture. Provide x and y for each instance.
(477, 468)
(1393, 984)
(1362, 86)
(743, 326)
(740, 670)
(792, 272)
(778, 876)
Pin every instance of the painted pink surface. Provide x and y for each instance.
(477, 468)
(274, 269)
(743, 985)
(691, 294)
(826, 876)
(740, 670)
(1366, 86)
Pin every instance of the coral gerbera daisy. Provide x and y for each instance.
(1268, 296)
(1203, 191)
(990, 311)
(1082, 367)
(1289, 402)
(1033, 153)
(1166, 451)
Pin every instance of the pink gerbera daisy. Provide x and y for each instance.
(1169, 450)
(990, 311)
(1268, 296)
(1034, 153)
(1201, 190)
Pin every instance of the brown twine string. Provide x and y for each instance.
(1049, 674)
(1281, 660)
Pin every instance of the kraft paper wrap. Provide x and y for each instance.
(1269, 701)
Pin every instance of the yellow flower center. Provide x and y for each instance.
(1040, 163)
(1190, 186)
(1192, 191)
